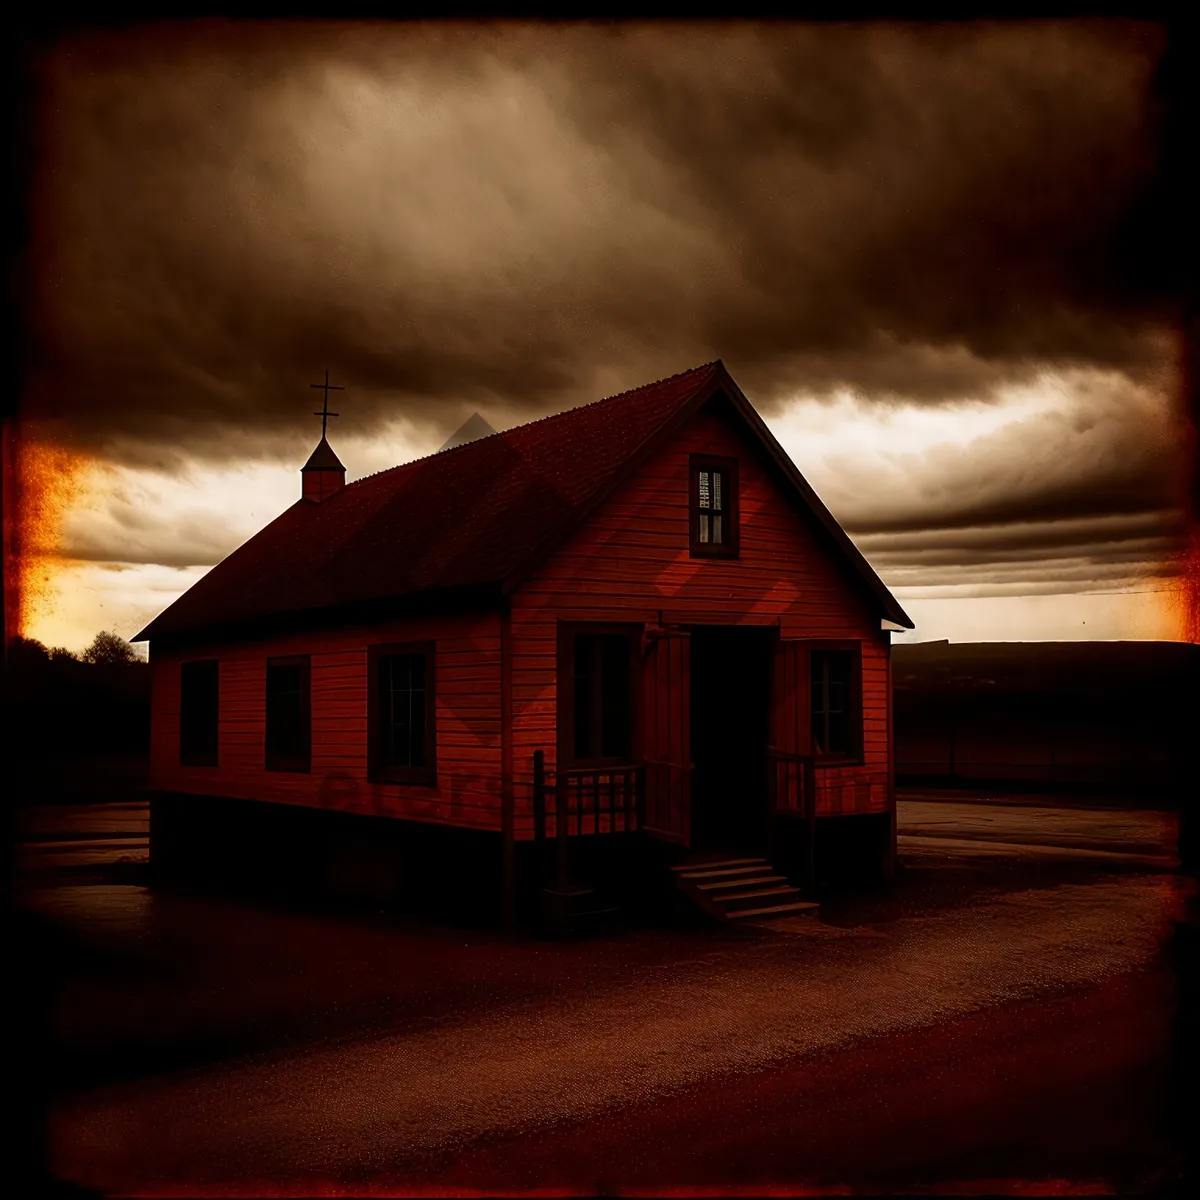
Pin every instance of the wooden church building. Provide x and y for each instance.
(610, 654)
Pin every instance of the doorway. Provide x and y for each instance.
(730, 702)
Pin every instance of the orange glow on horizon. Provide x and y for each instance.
(1187, 589)
(48, 481)
(45, 481)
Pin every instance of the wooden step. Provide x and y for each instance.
(718, 862)
(736, 897)
(723, 871)
(740, 881)
(778, 910)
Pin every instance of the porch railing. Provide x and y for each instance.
(584, 802)
(792, 796)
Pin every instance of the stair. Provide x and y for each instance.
(738, 890)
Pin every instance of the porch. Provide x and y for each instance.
(606, 837)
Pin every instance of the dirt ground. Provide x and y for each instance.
(1003, 1019)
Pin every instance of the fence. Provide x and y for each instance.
(582, 802)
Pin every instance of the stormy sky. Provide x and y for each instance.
(929, 254)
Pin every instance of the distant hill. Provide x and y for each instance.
(1094, 717)
(1059, 667)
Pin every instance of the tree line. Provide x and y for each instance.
(63, 705)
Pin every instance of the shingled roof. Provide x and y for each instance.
(476, 514)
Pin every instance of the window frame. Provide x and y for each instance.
(274, 761)
(567, 631)
(854, 755)
(187, 756)
(377, 771)
(731, 547)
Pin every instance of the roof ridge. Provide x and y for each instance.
(476, 527)
(537, 421)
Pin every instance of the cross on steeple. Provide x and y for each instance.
(325, 414)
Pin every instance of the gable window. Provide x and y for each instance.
(714, 507)
(836, 704)
(400, 733)
(289, 716)
(198, 713)
(598, 688)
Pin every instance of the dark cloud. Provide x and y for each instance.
(1146, 530)
(515, 219)
(1141, 550)
(1125, 561)
(1134, 485)
(956, 187)
(132, 537)
(1096, 446)
(519, 218)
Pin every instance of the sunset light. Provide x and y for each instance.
(50, 482)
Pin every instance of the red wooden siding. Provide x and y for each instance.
(468, 723)
(631, 561)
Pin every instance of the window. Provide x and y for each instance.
(714, 514)
(600, 696)
(198, 709)
(289, 722)
(402, 744)
(836, 719)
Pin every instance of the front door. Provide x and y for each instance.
(730, 696)
(666, 740)
(791, 725)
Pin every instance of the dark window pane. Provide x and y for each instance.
(820, 702)
(383, 690)
(832, 695)
(585, 687)
(287, 716)
(601, 693)
(417, 710)
(713, 507)
(615, 708)
(839, 667)
(198, 713)
(403, 710)
(839, 734)
(400, 706)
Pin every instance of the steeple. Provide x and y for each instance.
(323, 474)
